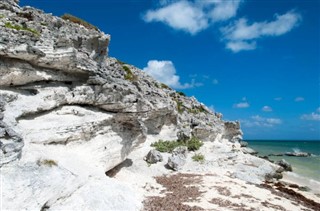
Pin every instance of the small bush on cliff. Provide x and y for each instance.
(1, 16)
(192, 144)
(180, 107)
(79, 21)
(18, 27)
(129, 75)
(181, 93)
(164, 86)
(198, 158)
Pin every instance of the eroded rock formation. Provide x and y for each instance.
(69, 113)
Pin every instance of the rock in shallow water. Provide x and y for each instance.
(283, 163)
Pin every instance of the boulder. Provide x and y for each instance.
(153, 156)
(283, 163)
(178, 158)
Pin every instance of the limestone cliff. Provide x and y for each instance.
(69, 113)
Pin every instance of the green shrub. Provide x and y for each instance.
(18, 27)
(129, 75)
(198, 157)
(47, 162)
(192, 144)
(79, 21)
(166, 146)
(1, 16)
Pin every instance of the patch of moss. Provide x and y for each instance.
(21, 28)
(79, 21)
(198, 158)
(43, 24)
(47, 162)
(129, 75)
(192, 144)
(1, 16)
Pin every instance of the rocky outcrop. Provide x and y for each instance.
(69, 112)
(178, 158)
(284, 164)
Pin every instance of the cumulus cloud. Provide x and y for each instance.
(299, 99)
(165, 72)
(266, 109)
(242, 35)
(258, 121)
(192, 16)
(314, 116)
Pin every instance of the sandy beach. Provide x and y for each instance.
(226, 180)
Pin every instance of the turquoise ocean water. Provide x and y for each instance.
(308, 167)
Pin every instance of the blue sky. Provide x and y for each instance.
(253, 61)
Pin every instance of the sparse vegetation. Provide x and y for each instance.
(79, 21)
(1, 16)
(164, 86)
(121, 62)
(192, 144)
(198, 158)
(47, 162)
(180, 107)
(21, 28)
(197, 109)
(43, 24)
(129, 75)
(181, 93)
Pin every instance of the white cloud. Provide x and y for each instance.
(266, 109)
(236, 46)
(165, 72)
(314, 116)
(192, 17)
(278, 98)
(223, 10)
(181, 15)
(241, 35)
(241, 105)
(299, 99)
(258, 121)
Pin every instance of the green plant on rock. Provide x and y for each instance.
(47, 162)
(21, 28)
(197, 110)
(193, 144)
(121, 62)
(166, 146)
(198, 158)
(79, 21)
(129, 75)
(1, 16)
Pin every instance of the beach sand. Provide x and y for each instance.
(226, 180)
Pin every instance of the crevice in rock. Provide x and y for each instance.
(115, 170)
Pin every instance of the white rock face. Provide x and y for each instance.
(68, 114)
